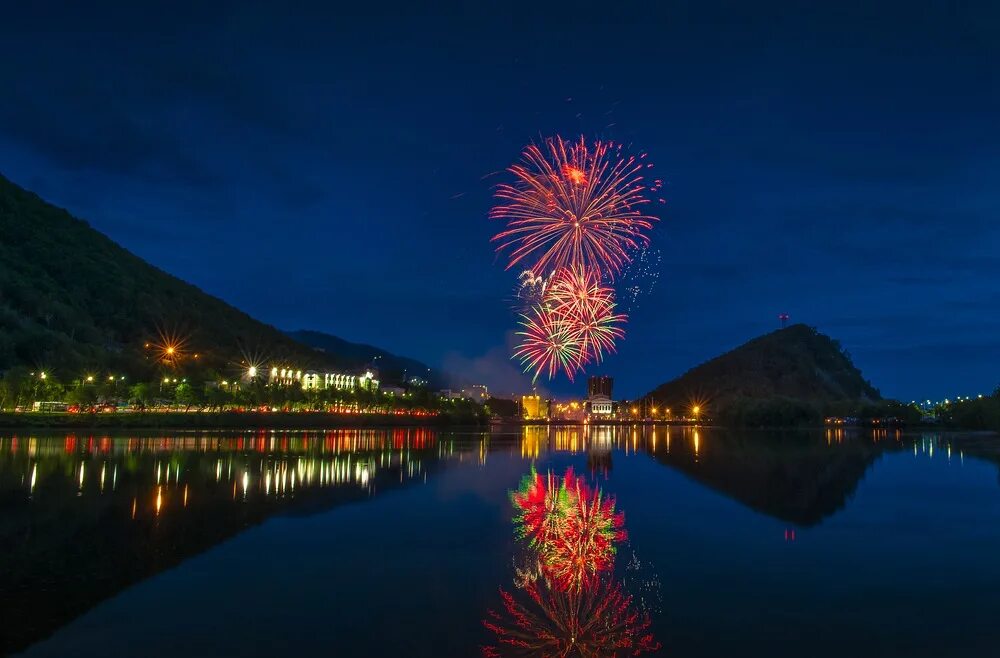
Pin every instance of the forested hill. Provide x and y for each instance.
(71, 300)
(796, 363)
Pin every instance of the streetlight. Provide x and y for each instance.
(695, 410)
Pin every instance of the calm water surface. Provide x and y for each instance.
(406, 542)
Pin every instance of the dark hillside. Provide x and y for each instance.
(73, 301)
(794, 370)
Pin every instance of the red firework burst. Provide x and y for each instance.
(573, 527)
(549, 343)
(578, 296)
(574, 204)
(598, 622)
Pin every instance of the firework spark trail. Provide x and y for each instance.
(574, 217)
(568, 602)
(549, 343)
(579, 296)
(574, 204)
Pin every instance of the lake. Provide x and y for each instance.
(529, 541)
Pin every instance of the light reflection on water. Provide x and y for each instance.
(86, 517)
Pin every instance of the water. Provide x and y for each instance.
(401, 542)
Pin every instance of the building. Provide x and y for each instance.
(570, 410)
(478, 393)
(532, 408)
(600, 386)
(599, 395)
(599, 405)
(318, 381)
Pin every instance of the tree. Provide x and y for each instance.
(141, 395)
(187, 395)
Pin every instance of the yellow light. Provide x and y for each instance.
(42, 375)
(90, 378)
(170, 349)
(252, 371)
(696, 409)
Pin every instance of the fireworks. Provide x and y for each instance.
(550, 343)
(530, 290)
(573, 323)
(566, 603)
(574, 204)
(579, 297)
(599, 621)
(572, 527)
(575, 216)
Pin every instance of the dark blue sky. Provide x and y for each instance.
(330, 169)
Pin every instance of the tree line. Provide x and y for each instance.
(21, 388)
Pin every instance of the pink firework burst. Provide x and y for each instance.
(574, 204)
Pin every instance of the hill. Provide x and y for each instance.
(787, 376)
(392, 368)
(74, 301)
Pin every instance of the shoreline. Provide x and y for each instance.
(224, 420)
(174, 420)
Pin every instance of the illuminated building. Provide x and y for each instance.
(599, 395)
(316, 381)
(532, 408)
(571, 410)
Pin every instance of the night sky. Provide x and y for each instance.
(333, 170)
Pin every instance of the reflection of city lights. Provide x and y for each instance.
(159, 499)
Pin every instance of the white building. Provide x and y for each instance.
(600, 405)
(312, 380)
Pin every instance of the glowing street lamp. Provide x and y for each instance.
(695, 410)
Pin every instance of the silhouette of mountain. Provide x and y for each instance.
(72, 300)
(786, 376)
